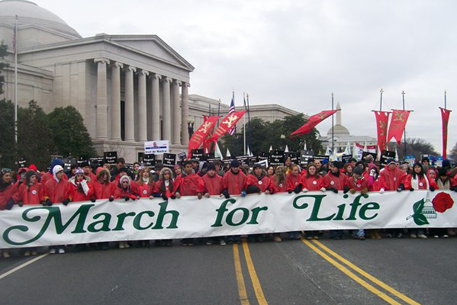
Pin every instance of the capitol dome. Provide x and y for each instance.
(338, 130)
(30, 14)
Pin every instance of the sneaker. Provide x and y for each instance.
(230, 242)
(399, 235)
(34, 253)
(436, 236)
(27, 253)
(121, 245)
(222, 243)
(126, 244)
(309, 237)
(362, 237)
(316, 237)
(413, 235)
(277, 239)
(52, 251)
(61, 251)
(388, 235)
(445, 236)
(6, 254)
(422, 236)
(209, 243)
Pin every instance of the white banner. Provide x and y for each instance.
(156, 147)
(147, 219)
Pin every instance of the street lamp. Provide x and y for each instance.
(190, 127)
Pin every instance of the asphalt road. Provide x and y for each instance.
(386, 271)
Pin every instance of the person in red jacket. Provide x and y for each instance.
(124, 191)
(81, 188)
(391, 177)
(30, 192)
(145, 185)
(103, 187)
(189, 183)
(312, 181)
(165, 186)
(258, 181)
(334, 180)
(8, 196)
(359, 183)
(88, 171)
(279, 180)
(50, 174)
(293, 180)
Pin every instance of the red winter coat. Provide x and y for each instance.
(77, 195)
(48, 176)
(56, 191)
(31, 195)
(292, 181)
(263, 183)
(390, 180)
(9, 192)
(213, 185)
(358, 184)
(144, 190)
(278, 187)
(103, 190)
(168, 191)
(339, 182)
(420, 183)
(121, 193)
(234, 183)
(312, 183)
(190, 185)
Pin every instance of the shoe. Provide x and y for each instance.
(238, 241)
(184, 243)
(422, 236)
(377, 235)
(121, 245)
(413, 235)
(436, 236)
(6, 254)
(27, 253)
(61, 251)
(388, 235)
(126, 244)
(52, 251)
(277, 239)
(230, 242)
(316, 237)
(362, 237)
(209, 243)
(399, 235)
(445, 236)
(34, 253)
(309, 238)
(222, 243)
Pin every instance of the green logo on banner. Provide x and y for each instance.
(421, 213)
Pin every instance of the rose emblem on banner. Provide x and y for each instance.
(442, 202)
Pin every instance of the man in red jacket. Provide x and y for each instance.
(334, 180)
(189, 183)
(258, 182)
(392, 178)
(212, 181)
(56, 190)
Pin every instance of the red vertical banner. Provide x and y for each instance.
(202, 132)
(397, 125)
(445, 113)
(382, 121)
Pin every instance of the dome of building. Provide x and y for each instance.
(29, 13)
(338, 130)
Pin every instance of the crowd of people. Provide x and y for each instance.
(204, 179)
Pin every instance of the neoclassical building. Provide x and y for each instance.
(128, 88)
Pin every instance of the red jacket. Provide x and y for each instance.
(7, 194)
(121, 193)
(312, 183)
(421, 183)
(278, 187)
(56, 191)
(339, 182)
(103, 190)
(190, 185)
(144, 190)
(168, 191)
(263, 183)
(358, 184)
(77, 195)
(48, 176)
(234, 183)
(213, 185)
(31, 195)
(390, 180)
(292, 181)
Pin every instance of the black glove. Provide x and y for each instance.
(251, 189)
(93, 199)
(9, 204)
(432, 188)
(48, 202)
(411, 189)
(298, 189)
(164, 197)
(111, 198)
(272, 191)
(65, 201)
(401, 187)
(133, 199)
(454, 188)
(43, 203)
(20, 203)
(335, 190)
(173, 197)
(126, 198)
(226, 194)
(289, 191)
(346, 189)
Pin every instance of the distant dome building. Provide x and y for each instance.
(342, 137)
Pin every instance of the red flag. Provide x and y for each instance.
(227, 123)
(313, 121)
(382, 121)
(201, 133)
(445, 118)
(397, 125)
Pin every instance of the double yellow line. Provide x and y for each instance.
(252, 273)
(356, 278)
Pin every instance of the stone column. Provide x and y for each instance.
(142, 115)
(155, 109)
(116, 101)
(166, 108)
(185, 113)
(102, 99)
(176, 114)
(129, 105)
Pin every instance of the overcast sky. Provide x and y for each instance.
(296, 53)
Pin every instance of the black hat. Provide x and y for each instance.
(391, 160)
(257, 165)
(210, 167)
(442, 171)
(358, 170)
(29, 174)
(234, 163)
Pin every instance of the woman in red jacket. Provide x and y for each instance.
(293, 180)
(312, 181)
(123, 191)
(30, 192)
(145, 185)
(81, 188)
(8, 195)
(165, 186)
(103, 187)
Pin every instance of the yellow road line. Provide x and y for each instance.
(239, 276)
(255, 280)
(367, 275)
(351, 275)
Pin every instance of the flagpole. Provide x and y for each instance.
(333, 126)
(15, 81)
(249, 125)
(218, 112)
(244, 125)
(444, 99)
(380, 101)
(404, 130)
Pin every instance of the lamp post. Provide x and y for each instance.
(190, 127)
